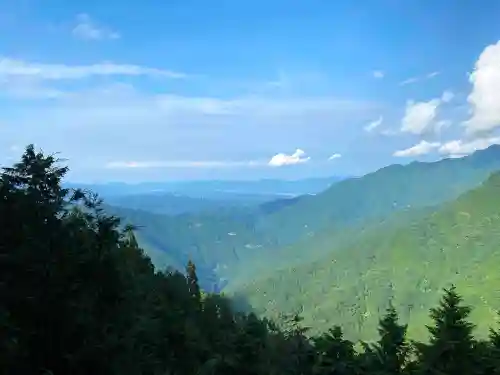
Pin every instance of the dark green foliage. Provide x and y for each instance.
(389, 354)
(193, 286)
(78, 296)
(491, 353)
(451, 348)
(335, 355)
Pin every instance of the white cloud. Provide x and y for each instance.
(374, 124)
(419, 116)
(378, 74)
(120, 124)
(418, 78)
(421, 148)
(22, 69)
(87, 29)
(458, 148)
(277, 160)
(484, 97)
(182, 164)
(409, 80)
(281, 159)
(335, 156)
(95, 121)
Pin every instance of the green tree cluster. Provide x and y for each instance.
(79, 296)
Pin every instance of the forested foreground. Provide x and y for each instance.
(78, 296)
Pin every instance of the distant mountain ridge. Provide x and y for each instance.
(216, 189)
(239, 245)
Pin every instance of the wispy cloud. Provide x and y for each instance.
(374, 124)
(277, 160)
(19, 68)
(409, 80)
(281, 159)
(129, 128)
(183, 164)
(458, 148)
(107, 126)
(419, 117)
(378, 74)
(421, 148)
(418, 78)
(87, 29)
(335, 156)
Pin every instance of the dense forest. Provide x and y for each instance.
(408, 258)
(79, 296)
(237, 246)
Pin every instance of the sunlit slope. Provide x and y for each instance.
(238, 245)
(457, 243)
(382, 192)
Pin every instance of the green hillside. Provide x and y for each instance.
(383, 192)
(216, 241)
(408, 258)
(78, 296)
(237, 244)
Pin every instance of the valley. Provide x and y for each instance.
(249, 187)
(383, 286)
(340, 255)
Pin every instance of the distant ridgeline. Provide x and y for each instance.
(239, 242)
(79, 296)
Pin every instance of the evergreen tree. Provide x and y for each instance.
(490, 354)
(252, 346)
(193, 284)
(57, 279)
(451, 349)
(335, 355)
(79, 296)
(389, 353)
(299, 355)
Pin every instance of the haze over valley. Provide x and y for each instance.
(249, 187)
(315, 253)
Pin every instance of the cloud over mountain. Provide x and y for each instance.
(282, 159)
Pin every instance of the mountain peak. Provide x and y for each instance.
(487, 155)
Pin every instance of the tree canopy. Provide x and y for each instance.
(79, 296)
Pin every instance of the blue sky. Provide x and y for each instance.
(155, 90)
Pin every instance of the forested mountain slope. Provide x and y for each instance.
(217, 241)
(241, 244)
(408, 258)
(78, 296)
(382, 192)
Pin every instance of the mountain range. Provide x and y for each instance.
(400, 233)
